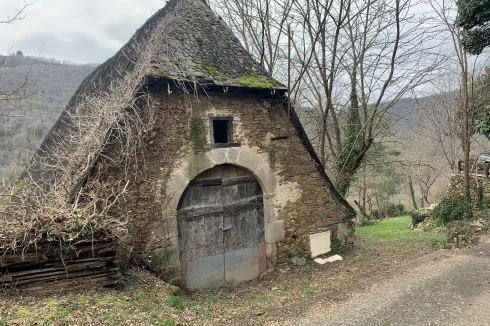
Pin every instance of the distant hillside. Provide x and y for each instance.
(405, 114)
(24, 124)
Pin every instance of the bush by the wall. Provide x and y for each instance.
(451, 208)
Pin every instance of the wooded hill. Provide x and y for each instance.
(25, 121)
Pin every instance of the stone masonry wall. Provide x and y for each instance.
(456, 188)
(301, 198)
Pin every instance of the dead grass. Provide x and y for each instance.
(153, 302)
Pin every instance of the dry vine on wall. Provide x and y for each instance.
(65, 197)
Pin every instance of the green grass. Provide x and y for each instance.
(176, 302)
(396, 230)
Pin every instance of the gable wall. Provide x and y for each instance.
(295, 195)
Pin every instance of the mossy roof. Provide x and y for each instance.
(198, 46)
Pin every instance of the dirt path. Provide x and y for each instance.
(452, 291)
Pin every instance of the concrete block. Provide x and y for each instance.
(270, 249)
(248, 161)
(165, 229)
(274, 232)
(197, 164)
(175, 187)
(320, 243)
(170, 224)
(271, 255)
(173, 241)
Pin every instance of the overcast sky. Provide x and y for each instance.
(77, 30)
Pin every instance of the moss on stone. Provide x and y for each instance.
(256, 81)
(209, 69)
(253, 80)
(212, 70)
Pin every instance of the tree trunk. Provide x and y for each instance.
(412, 192)
(466, 134)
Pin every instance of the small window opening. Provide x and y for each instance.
(222, 131)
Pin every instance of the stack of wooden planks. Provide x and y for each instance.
(88, 264)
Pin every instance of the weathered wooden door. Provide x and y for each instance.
(221, 228)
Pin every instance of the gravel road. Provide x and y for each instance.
(451, 291)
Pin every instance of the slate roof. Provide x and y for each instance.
(198, 46)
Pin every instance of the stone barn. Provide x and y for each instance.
(227, 184)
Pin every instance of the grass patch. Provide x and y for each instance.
(176, 302)
(396, 230)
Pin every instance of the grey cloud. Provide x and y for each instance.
(75, 30)
(122, 29)
(74, 47)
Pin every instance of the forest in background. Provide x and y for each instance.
(24, 124)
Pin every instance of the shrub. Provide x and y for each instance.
(387, 210)
(451, 208)
(394, 210)
(366, 222)
(374, 214)
(418, 217)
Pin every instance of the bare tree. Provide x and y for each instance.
(441, 117)
(262, 27)
(19, 14)
(377, 52)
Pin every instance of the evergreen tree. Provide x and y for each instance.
(474, 18)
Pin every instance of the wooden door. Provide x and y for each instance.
(221, 228)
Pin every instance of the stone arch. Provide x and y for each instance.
(197, 164)
(256, 163)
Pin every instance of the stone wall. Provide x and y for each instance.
(295, 194)
(456, 188)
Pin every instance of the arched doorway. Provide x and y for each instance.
(221, 228)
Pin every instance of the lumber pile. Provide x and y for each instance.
(88, 264)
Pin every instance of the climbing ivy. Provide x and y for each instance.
(197, 135)
(412, 192)
(352, 144)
